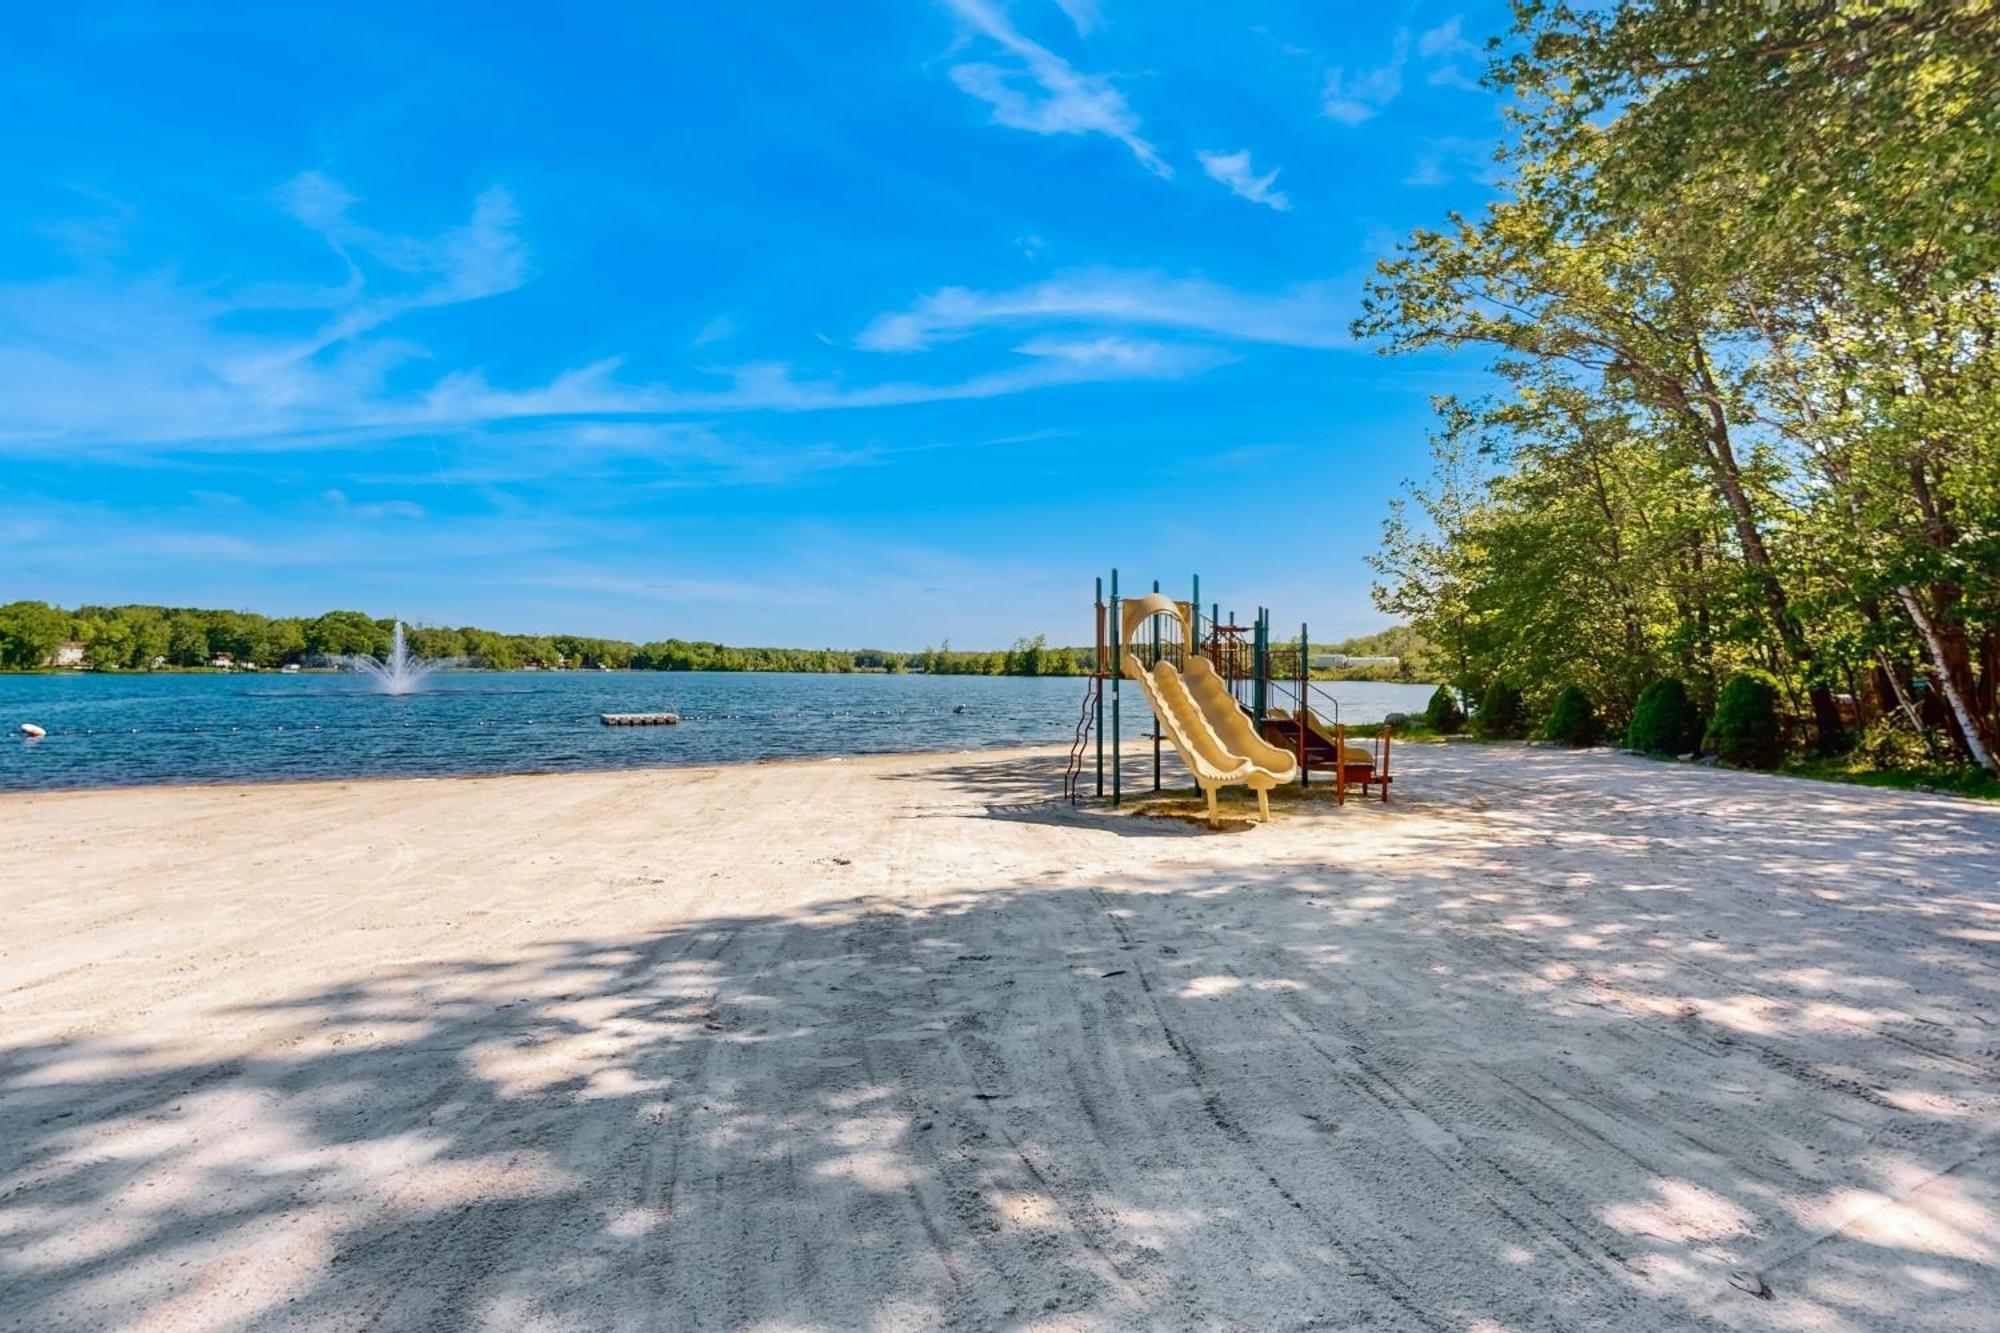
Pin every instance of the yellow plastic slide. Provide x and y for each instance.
(1195, 711)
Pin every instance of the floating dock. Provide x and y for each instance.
(639, 719)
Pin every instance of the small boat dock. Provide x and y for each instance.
(639, 719)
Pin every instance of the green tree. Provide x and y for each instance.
(1834, 163)
(1443, 715)
(1571, 720)
(1501, 712)
(1744, 730)
(343, 634)
(187, 638)
(108, 643)
(148, 635)
(1744, 292)
(1664, 721)
(30, 633)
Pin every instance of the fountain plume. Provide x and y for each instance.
(401, 672)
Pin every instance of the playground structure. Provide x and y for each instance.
(1237, 707)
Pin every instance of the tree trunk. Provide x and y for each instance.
(1729, 480)
(1979, 742)
(1944, 635)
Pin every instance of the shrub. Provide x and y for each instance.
(1888, 743)
(1744, 730)
(1571, 720)
(1501, 712)
(1663, 721)
(1442, 714)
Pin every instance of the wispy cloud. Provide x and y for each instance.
(1307, 315)
(407, 509)
(1353, 97)
(1451, 158)
(1085, 14)
(132, 543)
(1043, 93)
(1233, 170)
(595, 391)
(192, 419)
(1446, 39)
(575, 577)
(1446, 46)
(482, 258)
(1446, 56)
(94, 357)
(98, 363)
(720, 329)
(1428, 172)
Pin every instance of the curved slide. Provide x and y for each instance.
(1195, 711)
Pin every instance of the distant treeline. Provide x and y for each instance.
(1408, 646)
(34, 635)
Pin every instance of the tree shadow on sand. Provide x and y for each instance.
(1539, 1065)
(1028, 789)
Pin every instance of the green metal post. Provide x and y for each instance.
(1156, 721)
(1117, 670)
(1257, 666)
(1235, 663)
(1098, 667)
(1305, 675)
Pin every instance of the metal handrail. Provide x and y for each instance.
(1073, 771)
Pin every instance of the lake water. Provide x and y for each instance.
(115, 730)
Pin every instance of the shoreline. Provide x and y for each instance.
(144, 673)
(999, 749)
(208, 732)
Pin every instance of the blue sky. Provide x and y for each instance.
(789, 323)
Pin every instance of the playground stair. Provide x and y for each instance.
(1322, 753)
(1318, 753)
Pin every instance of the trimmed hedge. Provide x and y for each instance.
(1745, 730)
(1501, 712)
(1443, 715)
(1571, 720)
(1664, 720)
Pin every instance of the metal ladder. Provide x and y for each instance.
(1073, 771)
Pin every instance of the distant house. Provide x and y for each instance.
(223, 660)
(69, 654)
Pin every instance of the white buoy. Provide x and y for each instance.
(32, 731)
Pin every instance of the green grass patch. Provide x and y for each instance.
(1955, 781)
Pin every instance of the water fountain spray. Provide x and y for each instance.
(401, 672)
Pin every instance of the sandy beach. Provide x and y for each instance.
(1551, 1041)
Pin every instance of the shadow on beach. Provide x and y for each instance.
(1522, 1057)
(1028, 788)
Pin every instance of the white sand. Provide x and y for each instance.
(1552, 1041)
